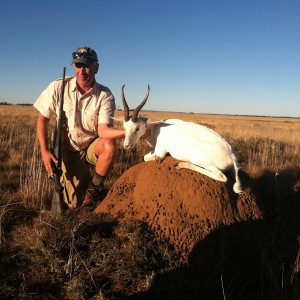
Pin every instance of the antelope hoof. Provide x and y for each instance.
(158, 159)
(179, 166)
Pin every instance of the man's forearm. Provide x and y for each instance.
(42, 132)
(106, 132)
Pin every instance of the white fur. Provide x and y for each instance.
(198, 147)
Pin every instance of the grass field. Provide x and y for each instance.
(96, 259)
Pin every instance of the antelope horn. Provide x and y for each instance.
(126, 108)
(137, 110)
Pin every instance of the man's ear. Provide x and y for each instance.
(96, 68)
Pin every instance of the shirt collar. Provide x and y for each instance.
(73, 87)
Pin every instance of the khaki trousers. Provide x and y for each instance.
(77, 169)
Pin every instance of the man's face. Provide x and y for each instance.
(85, 74)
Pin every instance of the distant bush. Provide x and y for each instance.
(18, 104)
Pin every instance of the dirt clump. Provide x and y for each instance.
(180, 206)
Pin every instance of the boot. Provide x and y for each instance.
(93, 195)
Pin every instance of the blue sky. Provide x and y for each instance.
(213, 56)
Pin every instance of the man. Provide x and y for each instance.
(88, 131)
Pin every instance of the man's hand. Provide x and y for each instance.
(48, 158)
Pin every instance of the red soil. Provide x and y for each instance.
(180, 206)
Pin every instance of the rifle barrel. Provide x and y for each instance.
(56, 149)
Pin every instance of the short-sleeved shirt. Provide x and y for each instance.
(83, 112)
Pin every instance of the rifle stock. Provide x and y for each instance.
(56, 149)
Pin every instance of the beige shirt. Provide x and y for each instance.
(83, 112)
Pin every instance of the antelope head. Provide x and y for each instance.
(134, 125)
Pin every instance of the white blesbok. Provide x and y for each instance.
(196, 146)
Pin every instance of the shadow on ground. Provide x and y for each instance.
(251, 260)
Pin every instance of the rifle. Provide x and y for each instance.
(56, 150)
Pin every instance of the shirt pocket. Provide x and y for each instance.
(70, 114)
(90, 120)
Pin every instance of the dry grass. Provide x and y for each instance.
(261, 142)
(96, 258)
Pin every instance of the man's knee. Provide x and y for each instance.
(106, 147)
(110, 145)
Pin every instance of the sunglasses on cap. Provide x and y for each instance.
(86, 53)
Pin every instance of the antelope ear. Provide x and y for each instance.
(150, 123)
(118, 119)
